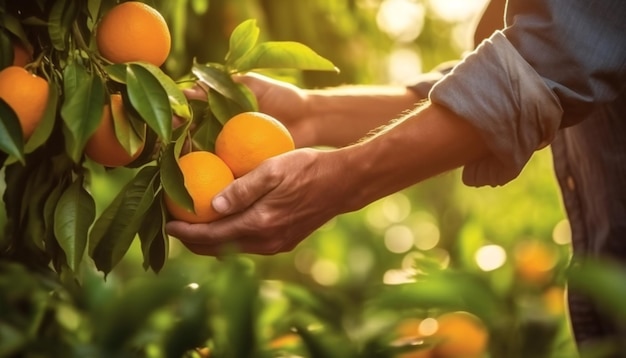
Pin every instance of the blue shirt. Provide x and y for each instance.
(555, 75)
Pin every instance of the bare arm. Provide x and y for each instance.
(333, 117)
(280, 203)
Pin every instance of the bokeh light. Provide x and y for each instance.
(456, 10)
(399, 276)
(399, 239)
(404, 64)
(490, 257)
(427, 235)
(325, 272)
(562, 233)
(402, 20)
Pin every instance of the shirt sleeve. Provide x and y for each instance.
(555, 64)
(501, 95)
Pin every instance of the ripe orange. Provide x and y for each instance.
(133, 31)
(205, 175)
(26, 94)
(534, 261)
(462, 335)
(249, 138)
(103, 147)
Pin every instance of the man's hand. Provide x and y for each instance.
(271, 209)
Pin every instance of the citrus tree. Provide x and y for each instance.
(88, 95)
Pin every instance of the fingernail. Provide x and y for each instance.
(220, 204)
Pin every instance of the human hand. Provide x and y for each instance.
(272, 208)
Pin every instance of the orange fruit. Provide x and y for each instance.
(103, 147)
(26, 94)
(534, 261)
(461, 335)
(205, 175)
(133, 31)
(249, 138)
(21, 55)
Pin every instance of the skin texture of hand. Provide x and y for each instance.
(277, 205)
(271, 209)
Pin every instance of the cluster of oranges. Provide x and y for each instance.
(246, 140)
(133, 31)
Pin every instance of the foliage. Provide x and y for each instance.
(87, 270)
(64, 206)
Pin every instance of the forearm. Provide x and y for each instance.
(425, 143)
(344, 115)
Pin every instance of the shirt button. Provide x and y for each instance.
(571, 185)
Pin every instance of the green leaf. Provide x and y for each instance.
(60, 21)
(73, 216)
(131, 139)
(178, 101)
(117, 72)
(159, 249)
(14, 26)
(242, 39)
(172, 179)
(82, 109)
(150, 100)
(11, 137)
(45, 127)
(113, 232)
(283, 54)
(218, 79)
(6, 50)
(224, 108)
(152, 230)
(207, 127)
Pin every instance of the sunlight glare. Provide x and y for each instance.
(490, 257)
(403, 20)
(562, 233)
(456, 10)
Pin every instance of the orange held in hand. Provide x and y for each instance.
(103, 147)
(26, 94)
(205, 175)
(249, 138)
(133, 31)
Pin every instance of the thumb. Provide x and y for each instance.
(243, 192)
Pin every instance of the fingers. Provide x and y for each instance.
(246, 190)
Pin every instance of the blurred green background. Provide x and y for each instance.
(343, 289)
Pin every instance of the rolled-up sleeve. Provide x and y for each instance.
(507, 101)
(555, 63)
